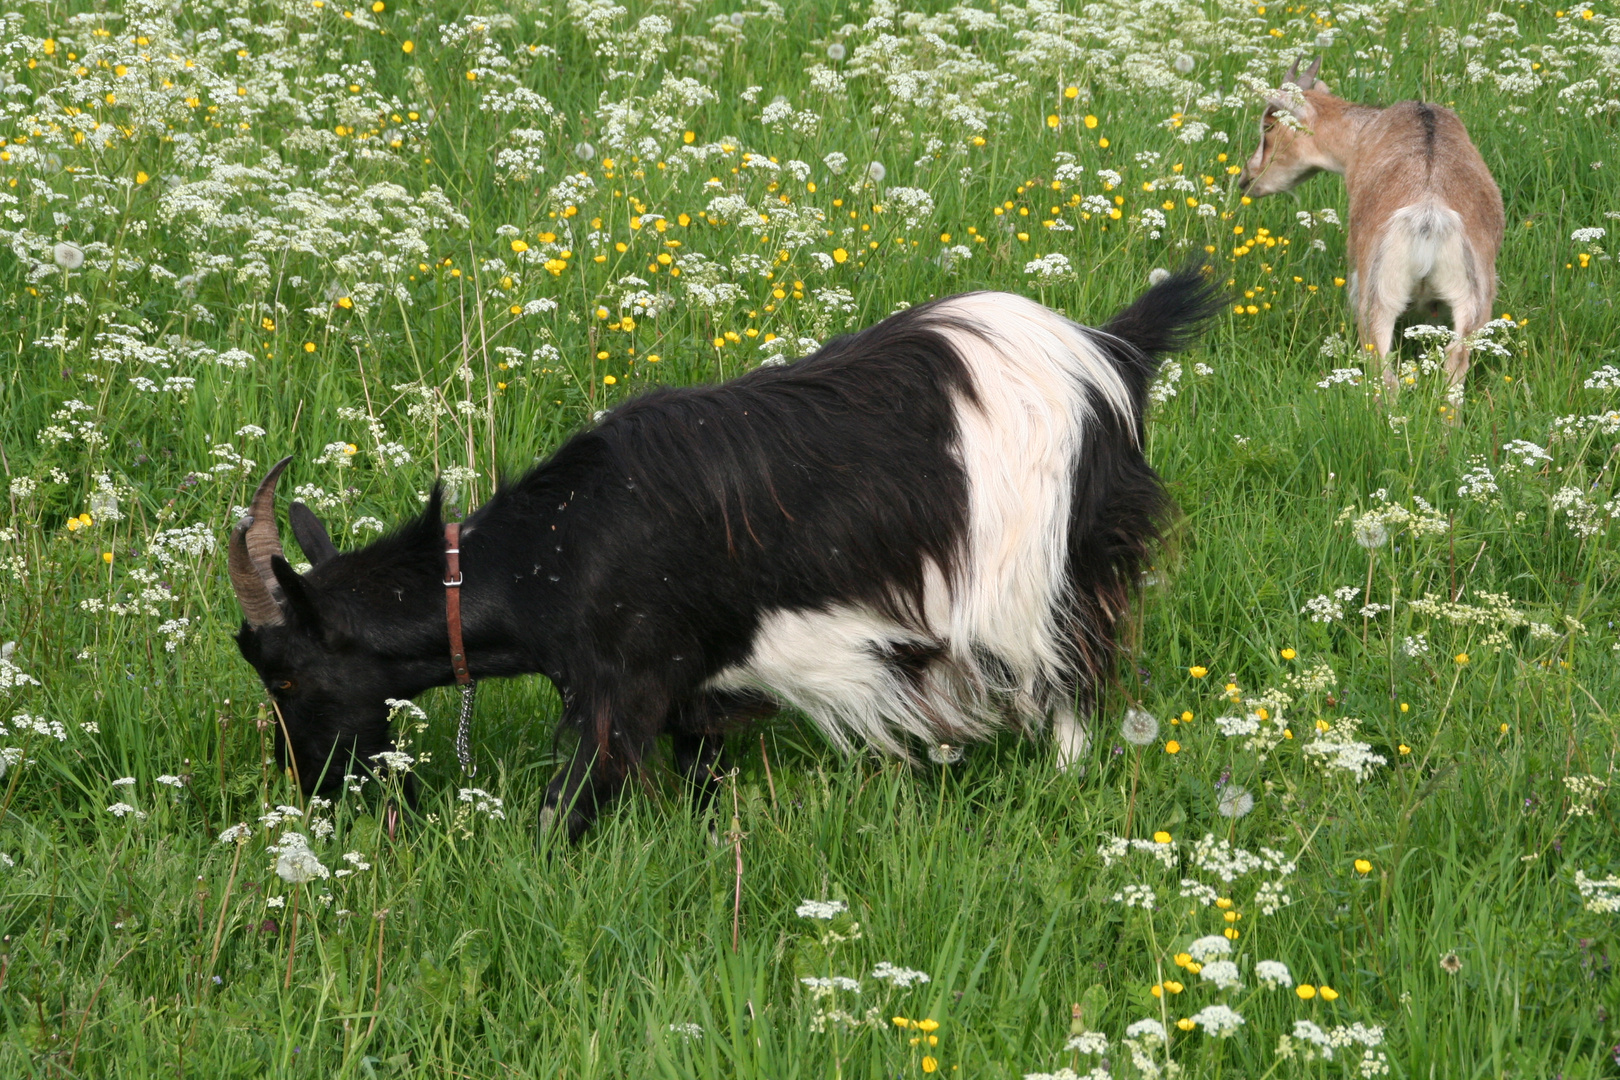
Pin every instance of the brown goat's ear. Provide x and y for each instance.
(310, 534)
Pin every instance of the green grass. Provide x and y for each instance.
(215, 220)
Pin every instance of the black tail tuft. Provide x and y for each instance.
(1170, 316)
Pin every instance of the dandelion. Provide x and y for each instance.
(875, 172)
(1370, 533)
(584, 151)
(1235, 801)
(1451, 963)
(1158, 274)
(1139, 727)
(68, 256)
(836, 52)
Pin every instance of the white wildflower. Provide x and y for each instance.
(1218, 1020)
(898, 976)
(1273, 973)
(1212, 947)
(821, 909)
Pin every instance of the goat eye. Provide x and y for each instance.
(284, 684)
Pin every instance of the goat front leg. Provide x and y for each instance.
(614, 739)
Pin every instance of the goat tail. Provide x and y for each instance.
(1424, 244)
(1168, 318)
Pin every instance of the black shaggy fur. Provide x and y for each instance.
(639, 559)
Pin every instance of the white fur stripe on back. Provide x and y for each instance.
(1035, 376)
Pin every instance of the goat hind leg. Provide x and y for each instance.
(1376, 323)
(596, 774)
(699, 727)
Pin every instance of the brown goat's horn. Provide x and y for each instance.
(253, 542)
(1293, 74)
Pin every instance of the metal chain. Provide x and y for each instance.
(464, 729)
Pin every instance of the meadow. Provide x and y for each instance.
(1350, 808)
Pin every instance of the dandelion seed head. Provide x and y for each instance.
(68, 256)
(1235, 801)
(1139, 727)
(1370, 533)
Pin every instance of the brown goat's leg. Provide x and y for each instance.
(1377, 326)
(1468, 314)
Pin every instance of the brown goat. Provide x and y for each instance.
(1426, 217)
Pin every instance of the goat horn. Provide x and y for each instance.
(1293, 74)
(1309, 79)
(253, 542)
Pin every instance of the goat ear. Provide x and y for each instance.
(331, 626)
(310, 534)
(297, 594)
(433, 512)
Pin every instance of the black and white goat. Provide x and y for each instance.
(923, 532)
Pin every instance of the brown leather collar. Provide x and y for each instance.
(452, 602)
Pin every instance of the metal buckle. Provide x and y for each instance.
(453, 584)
